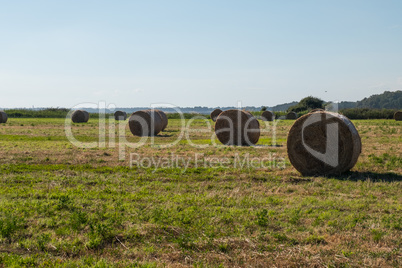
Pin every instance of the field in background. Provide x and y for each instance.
(60, 204)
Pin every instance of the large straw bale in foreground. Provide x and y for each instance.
(323, 143)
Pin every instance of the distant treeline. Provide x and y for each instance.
(63, 112)
(45, 113)
(352, 113)
(386, 100)
(366, 113)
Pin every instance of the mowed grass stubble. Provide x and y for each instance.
(60, 204)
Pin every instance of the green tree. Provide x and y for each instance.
(306, 104)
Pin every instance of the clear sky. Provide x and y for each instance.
(197, 53)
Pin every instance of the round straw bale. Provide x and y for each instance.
(215, 113)
(236, 127)
(398, 116)
(323, 143)
(3, 117)
(120, 115)
(86, 116)
(145, 123)
(164, 119)
(316, 110)
(249, 113)
(80, 116)
(291, 116)
(267, 116)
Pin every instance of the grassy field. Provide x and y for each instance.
(193, 204)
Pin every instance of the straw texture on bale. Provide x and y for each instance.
(313, 145)
(398, 116)
(291, 116)
(164, 119)
(145, 123)
(120, 115)
(80, 116)
(267, 116)
(3, 117)
(86, 115)
(236, 127)
(215, 113)
(316, 110)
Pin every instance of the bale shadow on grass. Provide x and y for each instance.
(372, 176)
(267, 145)
(164, 135)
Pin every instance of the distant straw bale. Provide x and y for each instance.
(80, 116)
(236, 127)
(267, 116)
(3, 117)
(215, 113)
(398, 116)
(291, 116)
(120, 115)
(145, 123)
(164, 119)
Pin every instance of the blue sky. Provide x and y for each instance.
(197, 53)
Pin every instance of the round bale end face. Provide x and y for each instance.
(80, 116)
(120, 116)
(267, 116)
(145, 123)
(215, 113)
(323, 143)
(3, 117)
(398, 116)
(236, 127)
